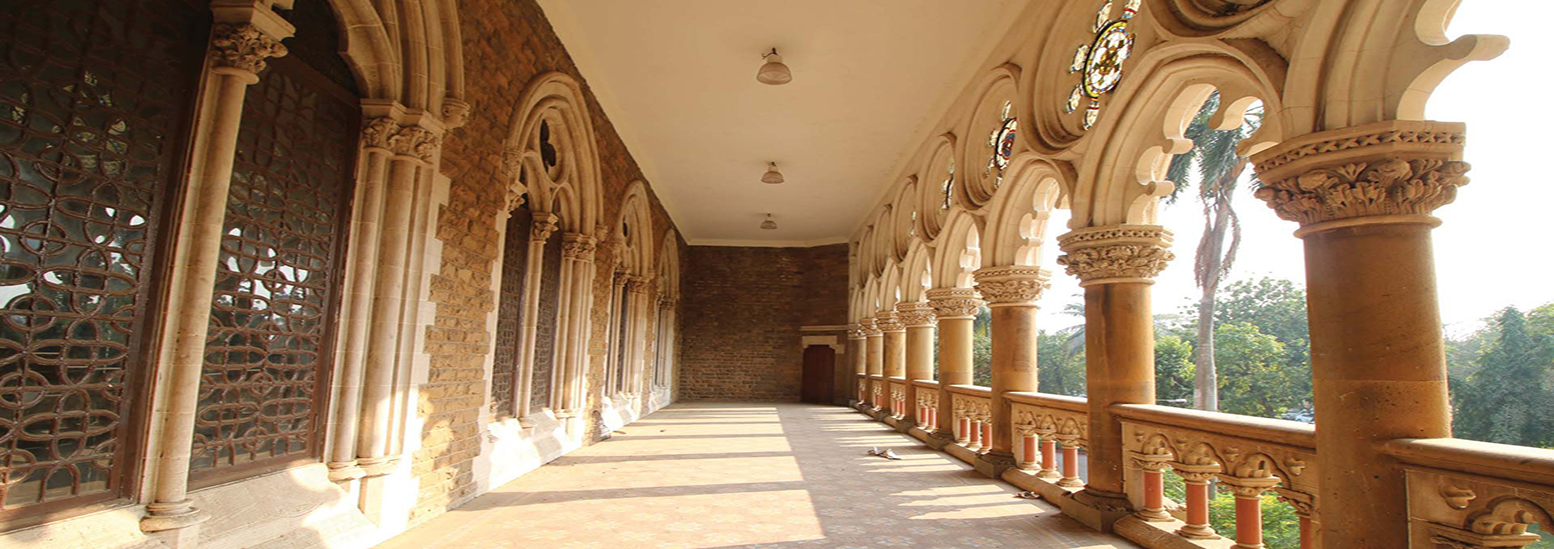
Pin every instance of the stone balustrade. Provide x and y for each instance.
(1249, 456)
(897, 387)
(1469, 494)
(973, 419)
(927, 404)
(1049, 426)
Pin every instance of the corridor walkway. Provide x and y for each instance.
(752, 475)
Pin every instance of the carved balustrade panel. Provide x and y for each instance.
(1068, 426)
(1476, 494)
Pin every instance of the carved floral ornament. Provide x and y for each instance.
(915, 314)
(383, 133)
(954, 302)
(243, 47)
(1014, 285)
(1116, 254)
(544, 224)
(578, 246)
(1399, 169)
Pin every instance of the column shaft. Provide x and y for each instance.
(956, 309)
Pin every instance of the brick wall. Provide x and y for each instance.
(742, 309)
(507, 44)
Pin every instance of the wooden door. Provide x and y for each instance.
(819, 370)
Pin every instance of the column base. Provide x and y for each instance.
(163, 517)
(994, 464)
(940, 439)
(341, 472)
(1097, 509)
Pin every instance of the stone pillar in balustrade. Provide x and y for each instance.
(955, 309)
(918, 319)
(856, 344)
(1249, 491)
(1116, 265)
(874, 349)
(1363, 197)
(1012, 292)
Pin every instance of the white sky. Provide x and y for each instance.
(1488, 252)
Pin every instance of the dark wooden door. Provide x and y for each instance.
(819, 371)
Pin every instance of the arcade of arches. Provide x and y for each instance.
(319, 273)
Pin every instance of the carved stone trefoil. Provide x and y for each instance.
(1012, 285)
(243, 47)
(1387, 171)
(1116, 253)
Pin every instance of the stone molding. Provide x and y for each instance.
(955, 302)
(1400, 169)
(243, 47)
(886, 321)
(1012, 285)
(869, 328)
(1116, 254)
(915, 314)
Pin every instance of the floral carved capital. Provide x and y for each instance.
(867, 325)
(578, 246)
(915, 314)
(543, 225)
(376, 132)
(415, 142)
(955, 302)
(855, 331)
(1392, 168)
(1117, 253)
(887, 321)
(243, 47)
(1014, 285)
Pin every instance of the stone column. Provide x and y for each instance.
(1012, 292)
(918, 318)
(894, 341)
(1153, 469)
(1196, 478)
(856, 346)
(1116, 265)
(539, 233)
(875, 354)
(413, 146)
(1364, 197)
(1249, 507)
(240, 42)
(955, 309)
(578, 277)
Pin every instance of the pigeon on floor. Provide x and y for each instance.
(1028, 495)
(887, 454)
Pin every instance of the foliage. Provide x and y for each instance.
(1255, 381)
(1281, 526)
(1173, 370)
(1508, 397)
(982, 348)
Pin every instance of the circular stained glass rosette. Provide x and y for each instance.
(1005, 143)
(1103, 69)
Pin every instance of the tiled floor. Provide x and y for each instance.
(753, 475)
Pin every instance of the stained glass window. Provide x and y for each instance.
(92, 97)
(1099, 63)
(1001, 140)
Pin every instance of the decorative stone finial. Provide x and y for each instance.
(955, 302)
(1397, 168)
(243, 47)
(1012, 285)
(1116, 253)
(915, 314)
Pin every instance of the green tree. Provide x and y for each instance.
(1277, 307)
(1173, 371)
(1508, 399)
(982, 348)
(1255, 382)
(1219, 166)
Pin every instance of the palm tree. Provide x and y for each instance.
(1219, 167)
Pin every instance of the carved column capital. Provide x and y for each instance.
(870, 329)
(578, 246)
(955, 302)
(1116, 253)
(1154, 463)
(1195, 472)
(544, 224)
(887, 321)
(639, 285)
(855, 331)
(242, 48)
(376, 133)
(915, 314)
(1012, 285)
(415, 142)
(455, 112)
(1386, 172)
(1249, 487)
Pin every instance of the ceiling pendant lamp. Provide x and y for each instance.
(769, 224)
(772, 176)
(773, 72)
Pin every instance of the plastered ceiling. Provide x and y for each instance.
(677, 78)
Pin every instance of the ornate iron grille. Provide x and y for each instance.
(509, 315)
(545, 329)
(93, 99)
(272, 317)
